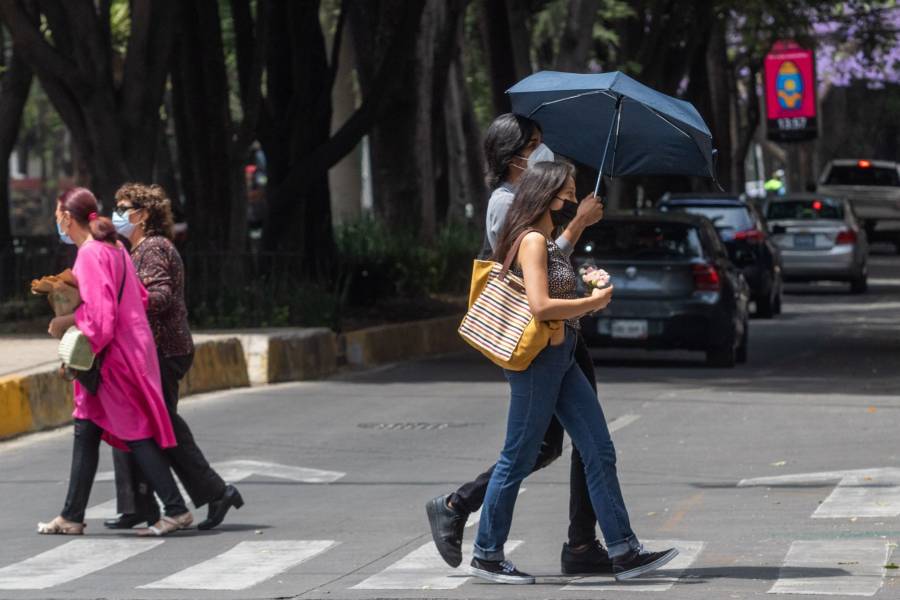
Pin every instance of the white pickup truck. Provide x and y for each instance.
(873, 189)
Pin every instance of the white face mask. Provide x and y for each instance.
(540, 154)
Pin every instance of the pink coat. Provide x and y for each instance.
(129, 403)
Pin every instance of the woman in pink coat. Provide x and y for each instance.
(128, 410)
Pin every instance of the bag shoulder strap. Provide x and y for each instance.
(513, 251)
(124, 275)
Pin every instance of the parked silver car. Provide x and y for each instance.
(820, 239)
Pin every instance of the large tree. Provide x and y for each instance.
(109, 101)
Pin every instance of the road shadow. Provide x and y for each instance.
(702, 574)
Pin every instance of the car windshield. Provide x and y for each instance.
(854, 175)
(629, 240)
(805, 210)
(735, 218)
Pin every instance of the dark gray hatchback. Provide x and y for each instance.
(675, 287)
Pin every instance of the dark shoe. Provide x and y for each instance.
(129, 520)
(499, 571)
(219, 508)
(637, 562)
(592, 561)
(447, 525)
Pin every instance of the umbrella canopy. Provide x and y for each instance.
(616, 124)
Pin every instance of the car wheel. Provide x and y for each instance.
(860, 285)
(741, 354)
(721, 356)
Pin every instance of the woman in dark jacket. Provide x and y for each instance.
(144, 215)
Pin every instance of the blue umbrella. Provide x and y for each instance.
(615, 124)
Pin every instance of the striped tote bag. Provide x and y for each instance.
(499, 322)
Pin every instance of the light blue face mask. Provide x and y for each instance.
(123, 225)
(65, 239)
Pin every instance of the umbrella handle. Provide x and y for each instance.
(612, 125)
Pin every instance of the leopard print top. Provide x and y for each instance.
(561, 278)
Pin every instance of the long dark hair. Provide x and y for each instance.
(506, 136)
(82, 205)
(536, 190)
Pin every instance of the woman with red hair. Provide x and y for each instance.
(127, 410)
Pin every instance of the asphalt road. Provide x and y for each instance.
(820, 394)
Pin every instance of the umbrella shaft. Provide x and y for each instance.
(612, 126)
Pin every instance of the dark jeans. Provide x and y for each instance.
(86, 455)
(553, 384)
(582, 519)
(134, 494)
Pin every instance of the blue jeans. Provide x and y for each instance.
(553, 384)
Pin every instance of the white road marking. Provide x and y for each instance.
(424, 569)
(859, 493)
(231, 471)
(833, 567)
(70, 561)
(623, 421)
(657, 581)
(244, 566)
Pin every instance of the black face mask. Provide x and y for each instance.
(562, 216)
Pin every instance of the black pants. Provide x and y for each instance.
(582, 520)
(86, 455)
(134, 493)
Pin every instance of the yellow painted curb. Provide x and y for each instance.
(403, 341)
(15, 411)
(218, 365)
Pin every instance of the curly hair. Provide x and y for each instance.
(154, 201)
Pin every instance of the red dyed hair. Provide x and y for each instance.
(82, 205)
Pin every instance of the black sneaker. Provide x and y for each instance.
(499, 571)
(447, 525)
(592, 561)
(637, 562)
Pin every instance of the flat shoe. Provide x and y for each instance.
(60, 526)
(167, 525)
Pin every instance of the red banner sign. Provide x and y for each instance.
(790, 78)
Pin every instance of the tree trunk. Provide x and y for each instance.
(716, 60)
(577, 39)
(203, 125)
(505, 65)
(14, 87)
(345, 178)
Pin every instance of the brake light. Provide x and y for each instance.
(847, 236)
(817, 205)
(750, 235)
(706, 278)
(864, 164)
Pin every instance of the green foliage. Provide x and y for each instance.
(376, 264)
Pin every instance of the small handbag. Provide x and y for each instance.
(79, 361)
(499, 323)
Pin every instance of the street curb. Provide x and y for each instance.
(42, 400)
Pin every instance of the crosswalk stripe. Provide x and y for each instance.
(833, 567)
(657, 581)
(244, 566)
(423, 569)
(69, 561)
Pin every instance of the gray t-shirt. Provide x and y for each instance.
(497, 209)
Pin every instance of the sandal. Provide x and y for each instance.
(60, 526)
(167, 525)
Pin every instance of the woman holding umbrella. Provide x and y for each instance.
(553, 385)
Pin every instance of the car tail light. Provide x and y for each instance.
(750, 235)
(847, 236)
(864, 164)
(706, 278)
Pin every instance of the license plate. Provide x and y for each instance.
(629, 329)
(804, 240)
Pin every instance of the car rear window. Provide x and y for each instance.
(630, 240)
(804, 210)
(736, 218)
(853, 175)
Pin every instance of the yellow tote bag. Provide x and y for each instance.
(499, 323)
